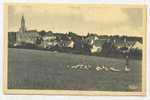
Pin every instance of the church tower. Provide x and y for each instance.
(22, 28)
(20, 36)
(24, 35)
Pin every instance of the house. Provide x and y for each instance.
(97, 46)
(119, 44)
(127, 45)
(48, 41)
(78, 42)
(137, 45)
(65, 41)
(91, 38)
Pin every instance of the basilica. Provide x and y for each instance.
(24, 35)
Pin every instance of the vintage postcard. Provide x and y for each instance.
(75, 49)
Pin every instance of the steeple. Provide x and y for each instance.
(22, 28)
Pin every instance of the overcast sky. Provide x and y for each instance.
(81, 19)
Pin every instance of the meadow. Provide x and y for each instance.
(37, 69)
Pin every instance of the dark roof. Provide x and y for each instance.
(99, 42)
(121, 43)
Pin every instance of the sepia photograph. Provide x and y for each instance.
(75, 49)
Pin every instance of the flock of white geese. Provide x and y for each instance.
(97, 68)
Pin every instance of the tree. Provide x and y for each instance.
(109, 49)
(42, 33)
(49, 33)
(38, 40)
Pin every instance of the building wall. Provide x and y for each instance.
(27, 37)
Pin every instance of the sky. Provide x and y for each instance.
(81, 19)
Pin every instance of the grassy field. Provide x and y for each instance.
(35, 69)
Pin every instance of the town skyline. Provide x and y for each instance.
(75, 19)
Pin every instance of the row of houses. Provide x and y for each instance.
(93, 43)
(50, 41)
